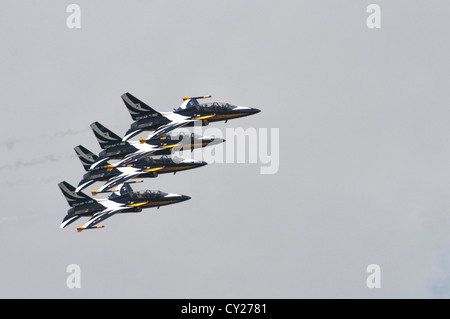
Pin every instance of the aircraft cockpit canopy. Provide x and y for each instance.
(148, 194)
(214, 106)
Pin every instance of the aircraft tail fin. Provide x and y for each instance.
(105, 137)
(74, 198)
(86, 157)
(138, 109)
(123, 189)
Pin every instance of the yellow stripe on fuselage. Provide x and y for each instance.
(204, 117)
(227, 116)
(138, 204)
(153, 169)
(175, 168)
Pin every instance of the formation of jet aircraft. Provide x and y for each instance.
(144, 158)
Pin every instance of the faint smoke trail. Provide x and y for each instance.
(9, 144)
(70, 132)
(33, 162)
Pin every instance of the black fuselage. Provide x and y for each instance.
(161, 165)
(149, 123)
(214, 112)
(135, 201)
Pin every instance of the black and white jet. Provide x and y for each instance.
(113, 147)
(113, 175)
(127, 201)
(147, 119)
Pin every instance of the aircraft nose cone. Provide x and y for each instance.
(218, 140)
(253, 111)
(184, 197)
(195, 163)
(213, 140)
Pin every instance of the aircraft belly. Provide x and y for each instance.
(159, 203)
(220, 117)
(175, 168)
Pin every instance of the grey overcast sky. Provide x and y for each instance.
(364, 174)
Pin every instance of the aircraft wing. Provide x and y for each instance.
(101, 216)
(69, 219)
(163, 129)
(83, 184)
(150, 149)
(99, 161)
(122, 178)
(132, 132)
(166, 128)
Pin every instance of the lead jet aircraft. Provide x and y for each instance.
(115, 148)
(114, 175)
(127, 201)
(147, 119)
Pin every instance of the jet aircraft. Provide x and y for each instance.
(115, 148)
(128, 201)
(114, 175)
(147, 119)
